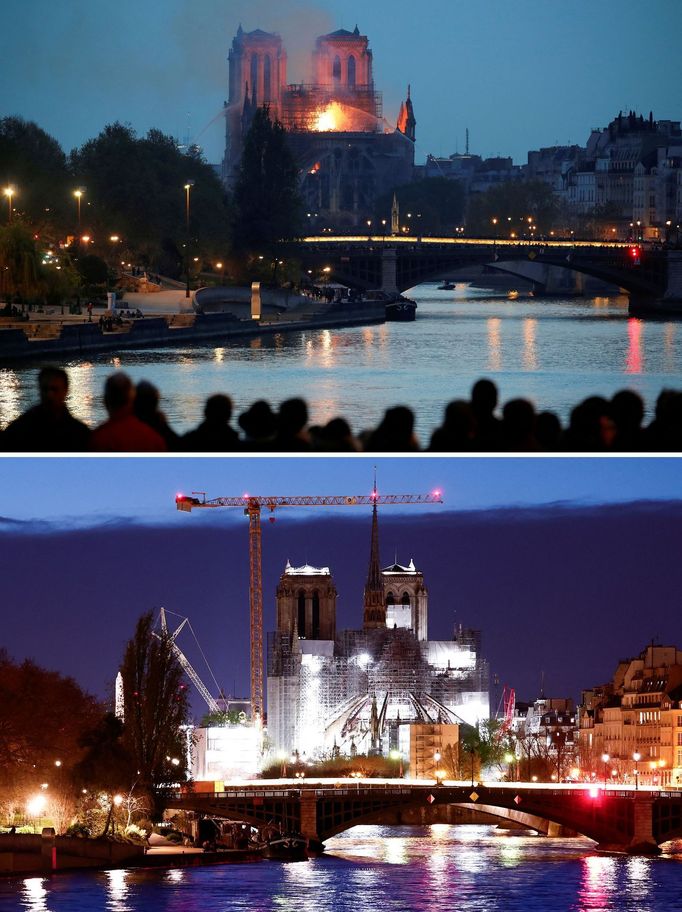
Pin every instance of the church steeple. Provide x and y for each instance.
(375, 609)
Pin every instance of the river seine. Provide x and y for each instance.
(439, 868)
(553, 351)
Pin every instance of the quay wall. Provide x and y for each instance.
(155, 332)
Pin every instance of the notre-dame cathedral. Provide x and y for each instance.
(348, 154)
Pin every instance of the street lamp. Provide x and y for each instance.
(605, 759)
(636, 757)
(188, 188)
(398, 755)
(9, 193)
(78, 194)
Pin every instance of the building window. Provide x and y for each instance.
(351, 72)
(316, 616)
(336, 69)
(254, 78)
(267, 83)
(301, 613)
(405, 599)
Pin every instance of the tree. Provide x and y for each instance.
(435, 206)
(512, 204)
(135, 190)
(155, 707)
(268, 208)
(43, 717)
(34, 162)
(19, 270)
(482, 745)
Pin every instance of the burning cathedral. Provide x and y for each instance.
(359, 691)
(348, 154)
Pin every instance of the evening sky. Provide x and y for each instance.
(566, 565)
(520, 75)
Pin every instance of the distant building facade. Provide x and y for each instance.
(638, 712)
(347, 153)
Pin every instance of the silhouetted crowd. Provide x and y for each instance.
(135, 424)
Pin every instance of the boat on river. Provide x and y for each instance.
(287, 847)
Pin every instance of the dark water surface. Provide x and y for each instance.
(554, 351)
(373, 869)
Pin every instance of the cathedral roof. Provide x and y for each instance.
(399, 569)
(306, 570)
(259, 33)
(343, 33)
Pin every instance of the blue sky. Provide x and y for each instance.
(91, 491)
(519, 75)
(576, 558)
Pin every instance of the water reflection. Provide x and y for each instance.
(494, 344)
(555, 351)
(599, 881)
(669, 346)
(35, 895)
(634, 355)
(530, 358)
(117, 891)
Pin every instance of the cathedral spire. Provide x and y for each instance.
(375, 610)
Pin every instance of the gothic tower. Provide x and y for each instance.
(343, 60)
(257, 76)
(406, 598)
(306, 603)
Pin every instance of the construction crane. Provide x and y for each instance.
(253, 506)
(184, 661)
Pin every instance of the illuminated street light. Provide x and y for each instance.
(9, 193)
(78, 194)
(636, 757)
(605, 759)
(188, 189)
(398, 755)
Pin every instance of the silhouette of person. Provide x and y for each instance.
(214, 434)
(457, 433)
(123, 432)
(146, 408)
(488, 430)
(395, 433)
(48, 427)
(292, 420)
(259, 424)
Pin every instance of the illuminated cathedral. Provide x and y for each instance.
(359, 691)
(347, 153)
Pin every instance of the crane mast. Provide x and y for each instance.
(184, 661)
(253, 506)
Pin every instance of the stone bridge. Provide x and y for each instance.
(652, 276)
(623, 819)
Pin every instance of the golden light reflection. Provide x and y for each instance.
(117, 889)
(10, 403)
(35, 895)
(84, 396)
(219, 355)
(116, 362)
(530, 355)
(669, 346)
(511, 854)
(395, 850)
(634, 362)
(176, 875)
(494, 344)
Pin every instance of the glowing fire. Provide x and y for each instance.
(331, 118)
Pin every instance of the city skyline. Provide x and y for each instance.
(550, 569)
(520, 75)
